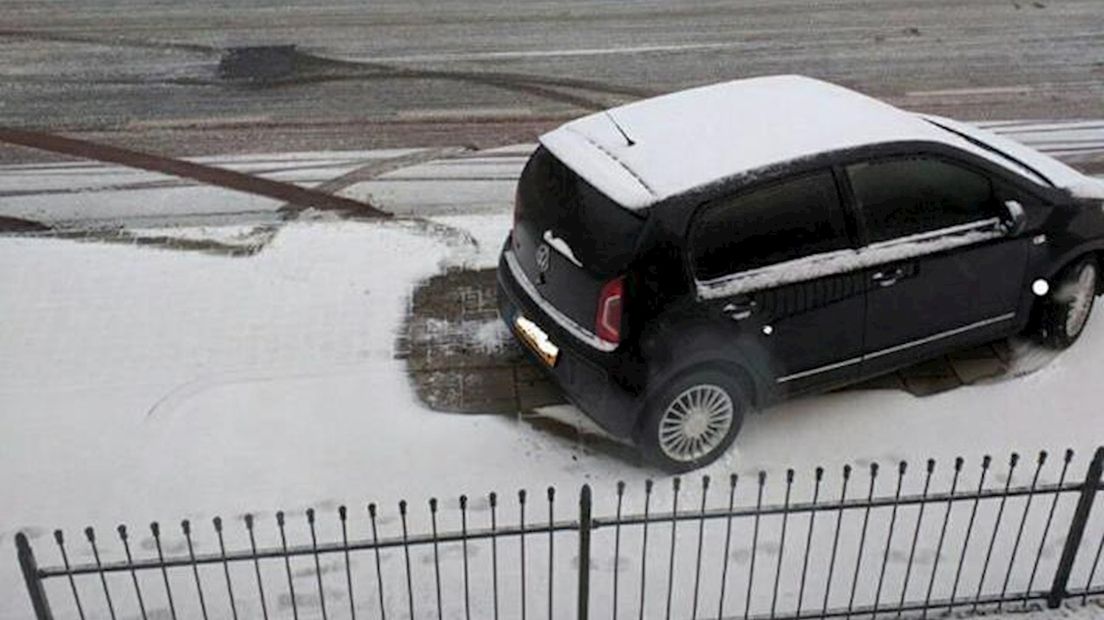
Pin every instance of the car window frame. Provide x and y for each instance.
(853, 239)
(860, 216)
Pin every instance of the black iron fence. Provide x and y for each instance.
(861, 543)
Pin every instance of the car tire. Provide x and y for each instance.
(693, 419)
(1065, 311)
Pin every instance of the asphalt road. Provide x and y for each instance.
(484, 72)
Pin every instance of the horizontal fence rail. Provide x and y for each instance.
(864, 542)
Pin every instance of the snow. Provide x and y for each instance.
(694, 137)
(140, 383)
(691, 138)
(1055, 171)
(821, 265)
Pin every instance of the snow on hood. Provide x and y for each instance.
(1089, 187)
(1056, 172)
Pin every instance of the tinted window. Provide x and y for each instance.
(600, 232)
(901, 197)
(781, 222)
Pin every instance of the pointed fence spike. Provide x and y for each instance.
(90, 534)
(819, 473)
(59, 537)
(342, 512)
(902, 467)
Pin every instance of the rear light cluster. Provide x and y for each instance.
(607, 324)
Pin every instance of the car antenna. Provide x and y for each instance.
(628, 140)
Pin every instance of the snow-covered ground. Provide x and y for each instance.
(140, 383)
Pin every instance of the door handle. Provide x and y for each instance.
(889, 277)
(739, 311)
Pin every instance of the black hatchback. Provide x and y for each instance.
(681, 261)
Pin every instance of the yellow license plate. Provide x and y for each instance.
(537, 340)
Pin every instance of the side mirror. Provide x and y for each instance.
(1016, 220)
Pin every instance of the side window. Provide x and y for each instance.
(901, 197)
(784, 221)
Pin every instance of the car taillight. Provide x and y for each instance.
(607, 325)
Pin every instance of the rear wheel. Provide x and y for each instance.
(693, 420)
(1065, 311)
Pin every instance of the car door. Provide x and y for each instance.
(941, 271)
(775, 267)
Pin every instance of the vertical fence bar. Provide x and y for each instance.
(406, 557)
(551, 541)
(942, 536)
(317, 563)
(1046, 529)
(754, 543)
(835, 537)
(226, 567)
(90, 534)
(985, 462)
(676, 483)
(644, 546)
(287, 564)
(915, 536)
(583, 610)
(901, 468)
(436, 555)
(256, 566)
(862, 538)
(996, 529)
(122, 530)
(343, 516)
(701, 541)
(155, 529)
(493, 499)
(818, 476)
(617, 543)
(29, 566)
(464, 551)
(1023, 521)
(59, 538)
(732, 480)
(1092, 571)
(782, 541)
(379, 569)
(1089, 489)
(521, 540)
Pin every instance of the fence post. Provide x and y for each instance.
(30, 576)
(585, 525)
(1077, 530)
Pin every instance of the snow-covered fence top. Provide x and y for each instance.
(985, 535)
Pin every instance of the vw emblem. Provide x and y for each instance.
(543, 257)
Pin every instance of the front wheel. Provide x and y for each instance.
(1066, 310)
(693, 420)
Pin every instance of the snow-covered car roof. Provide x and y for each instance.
(688, 139)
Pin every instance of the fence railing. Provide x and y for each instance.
(822, 547)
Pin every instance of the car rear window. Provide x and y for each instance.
(784, 221)
(601, 233)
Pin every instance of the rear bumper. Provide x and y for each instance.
(580, 371)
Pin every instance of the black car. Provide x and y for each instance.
(678, 262)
